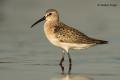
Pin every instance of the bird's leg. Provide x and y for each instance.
(70, 67)
(70, 63)
(61, 61)
(70, 60)
(62, 68)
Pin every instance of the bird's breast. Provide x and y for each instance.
(49, 32)
(48, 29)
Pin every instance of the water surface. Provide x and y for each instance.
(26, 54)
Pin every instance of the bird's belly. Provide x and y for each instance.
(67, 46)
(53, 40)
(51, 37)
(75, 45)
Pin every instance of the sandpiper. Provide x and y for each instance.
(64, 36)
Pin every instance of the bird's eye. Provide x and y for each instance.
(50, 14)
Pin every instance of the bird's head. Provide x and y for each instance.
(50, 15)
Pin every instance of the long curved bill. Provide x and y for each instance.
(42, 19)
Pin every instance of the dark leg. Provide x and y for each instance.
(62, 68)
(70, 67)
(70, 60)
(70, 63)
(62, 59)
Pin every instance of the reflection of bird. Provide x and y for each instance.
(71, 77)
(64, 36)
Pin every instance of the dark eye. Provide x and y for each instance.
(50, 14)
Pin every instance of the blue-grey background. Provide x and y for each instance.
(26, 54)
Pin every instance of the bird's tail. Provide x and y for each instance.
(97, 41)
(101, 42)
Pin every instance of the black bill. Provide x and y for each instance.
(42, 19)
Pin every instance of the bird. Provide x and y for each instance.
(64, 36)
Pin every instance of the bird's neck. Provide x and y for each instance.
(51, 23)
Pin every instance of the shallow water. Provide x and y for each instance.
(25, 54)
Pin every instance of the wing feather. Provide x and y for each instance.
(70, 35)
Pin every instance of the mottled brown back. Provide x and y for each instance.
(68, 34)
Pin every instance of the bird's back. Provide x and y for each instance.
(68, 34)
